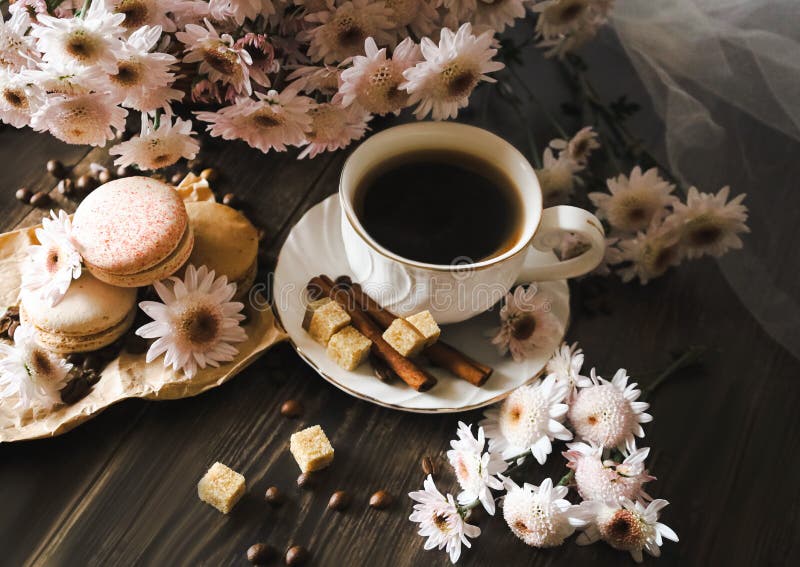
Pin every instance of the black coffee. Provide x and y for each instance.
(440, 206)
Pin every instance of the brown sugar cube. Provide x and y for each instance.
(311, 449)
(348, 348)
(221, 487)
(311, 308)
(327, 319)
(426, 325)
(404, 337)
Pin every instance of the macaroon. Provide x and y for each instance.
(132, 232)
(224, 241)
(91, 315)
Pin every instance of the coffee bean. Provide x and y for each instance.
(92, 377)
(56, 169)
(306, 481)
(40, 199)
(230, 200)
(291, 408)
(76, 389)
(274, 496)
(429, 466)
(297, 555)
(381, 500)
(12, 328)
(85, 183)
(176, 178)
(104, 176)
(209, 174)
(339, 501)
(24, 195)
(260, 554)
(66, 187)
(123, 171)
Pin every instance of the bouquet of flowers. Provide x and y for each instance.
(274, 73)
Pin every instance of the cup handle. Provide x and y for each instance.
(555, 222)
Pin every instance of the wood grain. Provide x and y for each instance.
(120, 490)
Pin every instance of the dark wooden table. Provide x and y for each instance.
(121, 489)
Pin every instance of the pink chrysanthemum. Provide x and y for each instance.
(85, 119)
(333, 127)
(527, 325)
(608, 480)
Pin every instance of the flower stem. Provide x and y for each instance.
(85, 8)
(533, 98)
(692, 356)
(567, 479)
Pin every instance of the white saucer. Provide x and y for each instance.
(314, 247)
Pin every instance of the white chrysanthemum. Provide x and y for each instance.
(140, 71)
(498, 14)
(333, 127)
(19, 98)
(16, 47)
(219, 58)
(272, 122)
(89, 41)
(607, 413)
(30, 372)
(527, 324)
(708, 223)
(579, 147)
(420, 16)
(341, 32)
(374, 81)
(651, 253)
(196, 323)
(310, 78)
(443, 82)
(54, 262)
(557, 176)
(139, 13)
(540, 515)
(608, 481)
(475, 469)
(439, 520)
(565, 366)
(85, 119)
(155, 148)
(67, 78)
(634, 202)
(627, 526)
(528, 420)
(239, 10)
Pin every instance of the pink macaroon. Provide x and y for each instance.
(132, 232)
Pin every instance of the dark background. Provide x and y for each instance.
(121, 489)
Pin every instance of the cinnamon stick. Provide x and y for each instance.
(439, 353)
(406, 369)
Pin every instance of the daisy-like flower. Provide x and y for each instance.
(498, 14)
(560, 18)
(140, 71)
(19, 98)
(528, 420)
(239, 10)
(443, 82)
(273, 121)
(341, 32)
(565, 366)
(527, 325)
(54, 262)
(85, 119)
(197, 322)
(475, 469)
(708, 223)
(16, 48)
(439, 520)
(262, 54)
(579, 147)
(219, 58)
(557, 176)
(323, 78)
(374, 81)
(627, 526)
(419, 16)
(540, 515)
(30, 372)
(67, 78)
(92, 40)
(650, 253)
(140, 13)
(159, 147)
(333, 127)
(608, 481)
(634, 202)
(31, 8)
(607, 413)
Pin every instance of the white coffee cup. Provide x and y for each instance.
(456, 292)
